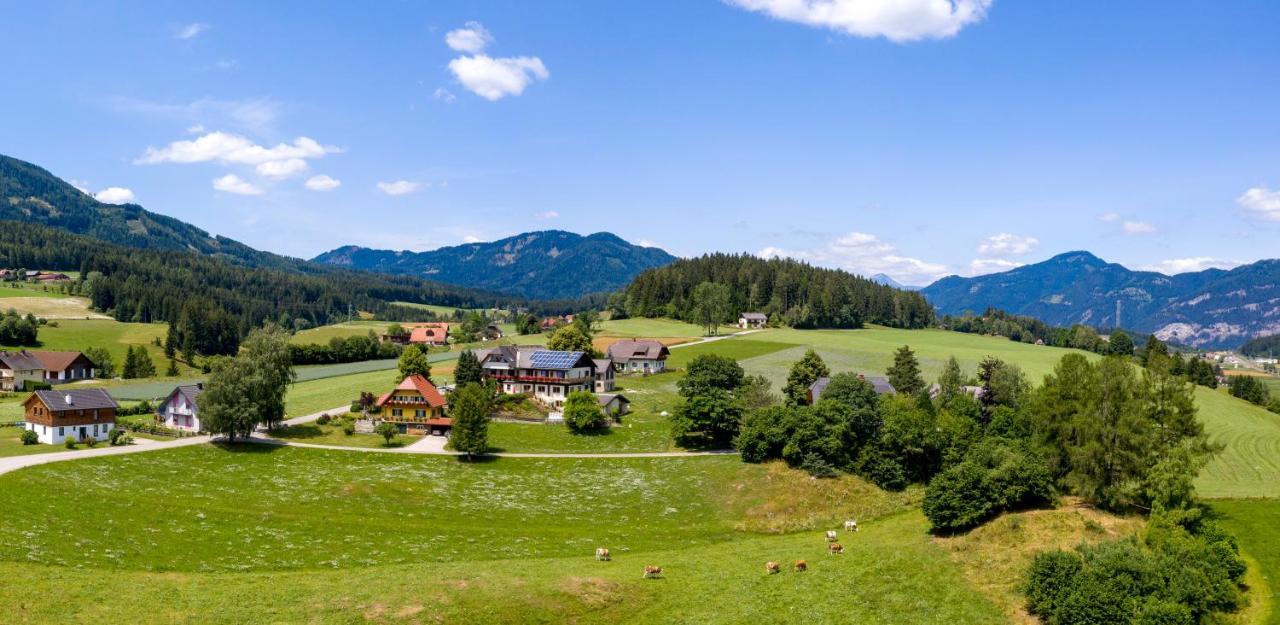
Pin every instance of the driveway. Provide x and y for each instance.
(14, 463)
(429, 445)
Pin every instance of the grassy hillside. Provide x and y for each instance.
(432, 540)
(116, 337)
(1253, 521)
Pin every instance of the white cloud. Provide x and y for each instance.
(444, 95)
(867, 255)
(189, 31)
(114, 195)
(472, 239)
(323, 183)
(895, 20)
(1005, 244)
(1184, 265)
(399, 187)
(471, 38)
(1138, 227)
(494, 79)
(547, 215)
(1109, 217)
(230, 148)
(232, 183)
(282, 169)
(1262, 202)
(981, 266)
(648, 243)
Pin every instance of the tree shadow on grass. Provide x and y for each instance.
(245, 447)
(303, 431)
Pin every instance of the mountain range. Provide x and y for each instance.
(1210, 308)
(550, 264)
(539, 265)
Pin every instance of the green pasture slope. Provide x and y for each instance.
(211, 535)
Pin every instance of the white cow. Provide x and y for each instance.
(831, 536)
(851, 525)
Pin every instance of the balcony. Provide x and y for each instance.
(538, 379)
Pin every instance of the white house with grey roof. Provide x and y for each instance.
(179, 410)
(18, 368)
(639, 356)
(546, 375)
(752, 320)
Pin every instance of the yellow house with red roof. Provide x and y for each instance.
(416, 407)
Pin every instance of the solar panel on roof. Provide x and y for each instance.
(554, 360)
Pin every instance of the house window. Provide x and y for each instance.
(60, 431)
(420, 413)
(396, 412)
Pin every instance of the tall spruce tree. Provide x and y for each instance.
(904, 375)
(469, 409)
(803, 374)
(468, 370)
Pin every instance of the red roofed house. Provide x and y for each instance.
(430, 334)
(416, 407)
(65, 366)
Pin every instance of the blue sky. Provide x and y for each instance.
(916, 138)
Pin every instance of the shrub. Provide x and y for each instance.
(817, 466)
(882, 470)
(348, 428)
(29, 437)
(69, 442)
(387, 430)
(90, 441)
(582, 412)
(1052, 574)
(323, 420)
(119, 437)
(960, 498)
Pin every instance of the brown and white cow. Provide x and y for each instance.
(835, 548)
(772, 567)
(602, 553)
(651, 571)
(831, 536)
(801, 566)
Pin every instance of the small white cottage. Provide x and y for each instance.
(179, 410)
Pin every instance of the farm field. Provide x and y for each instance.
(456, 539)
(643, 327)
(1253, 521)
(115, 336)
(9, 290)
(344, 330)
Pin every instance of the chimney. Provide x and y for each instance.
(68, 399)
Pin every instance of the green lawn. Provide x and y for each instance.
(654, 328)
(333, 435)
(11, 446)
(12, 290)
(1254, 523)
(344, 330)
(312, 396)
(116, 337)
(207, 535)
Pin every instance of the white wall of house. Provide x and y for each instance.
(55, 435)
(16, 379)
(179, 414)
(640, 365)
(75, 373)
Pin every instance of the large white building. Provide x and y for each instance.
(76, 414)
(547, 376)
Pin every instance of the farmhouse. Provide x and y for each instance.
(430, 334)
(416, 407)
(881, 385)
(179, 410)
(19, 368)
(614, 404)
(604, 375)
(639, 356)
(547, 376)
(78, 414)
(551, 323)
(752, 320)
(65, 366)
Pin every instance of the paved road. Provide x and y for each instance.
(712, 339)
(13, 463)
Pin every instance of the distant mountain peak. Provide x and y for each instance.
(544, 264)
(886, 280)
(1210, 308)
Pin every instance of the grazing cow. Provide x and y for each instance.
(772, 567)
(801, 566)
(835, 548)
(602, 553)
(831, 536)
(651, 571)
(851, 525)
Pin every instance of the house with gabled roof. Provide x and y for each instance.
(179, 410)
(76, 414)
(548, 376)
(65, 366)
(752, 320)
(19, 368)
(639, 356)
(415, 406)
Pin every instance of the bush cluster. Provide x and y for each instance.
(1178, 573)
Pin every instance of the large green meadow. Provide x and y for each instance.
(251, 534)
